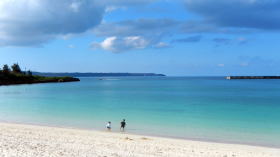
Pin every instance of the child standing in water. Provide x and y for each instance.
(108, 126)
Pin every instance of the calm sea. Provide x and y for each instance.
(212, 109)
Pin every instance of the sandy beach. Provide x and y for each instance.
(19, 140)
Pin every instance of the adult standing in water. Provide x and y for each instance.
(123, 124)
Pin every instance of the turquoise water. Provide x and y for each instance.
(212, 109)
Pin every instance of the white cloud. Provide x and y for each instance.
(162, 45)
(135, 34)
(34, 22)
(116, 44)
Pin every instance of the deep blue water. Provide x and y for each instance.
(215, 109)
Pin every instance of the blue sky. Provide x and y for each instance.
(174, 37)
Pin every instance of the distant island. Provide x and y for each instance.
(95, 74)
(14, 75)
(252, 77)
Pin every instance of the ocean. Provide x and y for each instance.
(197, 108)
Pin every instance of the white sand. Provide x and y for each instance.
(37, 141)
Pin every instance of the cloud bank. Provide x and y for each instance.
(253, 14)
(34, 22)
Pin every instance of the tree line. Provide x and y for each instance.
(13, 70)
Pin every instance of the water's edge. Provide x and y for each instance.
(142, 134)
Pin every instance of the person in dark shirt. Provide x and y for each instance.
(123, 124)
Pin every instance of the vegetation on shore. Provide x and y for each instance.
(14, 75)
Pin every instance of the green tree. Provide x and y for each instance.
(6, 69)
(16, 68)
(29, 73)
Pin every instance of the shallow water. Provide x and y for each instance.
(215, 109)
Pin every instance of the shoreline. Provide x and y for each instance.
(142, 134)
(21, 136)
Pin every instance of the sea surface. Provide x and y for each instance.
(197, 108)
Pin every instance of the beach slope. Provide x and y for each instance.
(18, 140)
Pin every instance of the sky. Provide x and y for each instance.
(172, 37)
